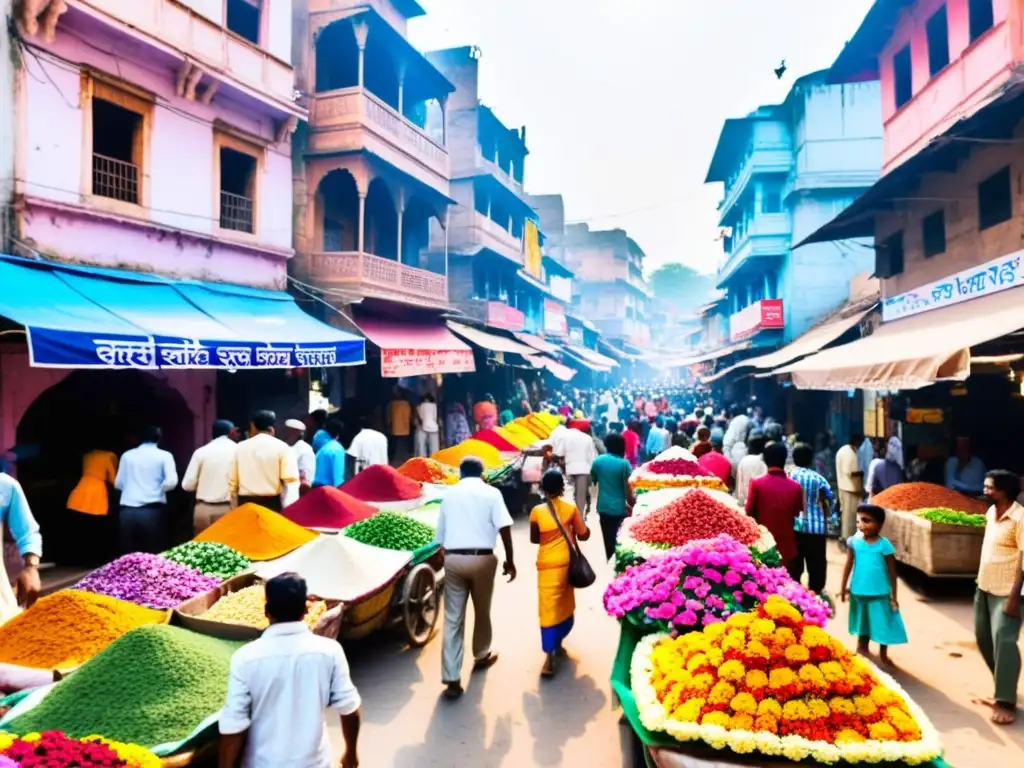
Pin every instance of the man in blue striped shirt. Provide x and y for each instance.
(812, 525)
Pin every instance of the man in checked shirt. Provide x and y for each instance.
(812, 525)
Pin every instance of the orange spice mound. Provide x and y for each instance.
(907, 497)
(257, 532)
(428, 471)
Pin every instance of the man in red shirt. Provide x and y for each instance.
(717, 464)
(775, 501)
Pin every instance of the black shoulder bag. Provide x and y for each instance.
(581, 575)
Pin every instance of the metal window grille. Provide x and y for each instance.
(114, 178)
(235, 212)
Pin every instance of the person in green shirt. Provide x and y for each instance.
(615, 499)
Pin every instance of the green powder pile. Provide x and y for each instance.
(152, 686)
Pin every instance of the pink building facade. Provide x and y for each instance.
(152, 136)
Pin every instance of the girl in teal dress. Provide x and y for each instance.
(874, 611)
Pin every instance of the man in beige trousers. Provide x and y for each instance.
(473, 515)
(850, 481)
(207, 476)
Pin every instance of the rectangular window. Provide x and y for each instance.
(980, 17)
(937, 31)
(903, 83)
(889, 257)
(933, 233)
(772, 201)
(118, 142)
(238, 166)
(995, 199)
(243, 18)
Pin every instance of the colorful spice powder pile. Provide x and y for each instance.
(518, 435)
(907, 497)
(209, 557)
(678, 467)
(247, 607)
(694, 516)
(147, 580)
(493, 438)
(150, 687)
(428, 471)
(328, 507)
(68, 628)
(382, 483)
(53, 749)
(257, 532)
(478, 449)
(390, 530)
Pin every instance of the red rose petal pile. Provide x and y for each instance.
(53, 748)
(678, 467)
(691, 517)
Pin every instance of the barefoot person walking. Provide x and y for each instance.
(997, 600)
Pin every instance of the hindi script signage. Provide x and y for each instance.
(399, 363)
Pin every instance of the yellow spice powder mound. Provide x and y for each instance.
(68, 628)
(247, 607)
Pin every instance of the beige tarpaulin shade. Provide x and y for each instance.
(708, 356)
(810, 342)
(490, 341)
(916, 351)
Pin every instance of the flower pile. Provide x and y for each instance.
(53, 748)
(674, 468)
(770, 682)
(703, 583)
(148, 580)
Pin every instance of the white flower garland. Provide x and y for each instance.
(654, 718)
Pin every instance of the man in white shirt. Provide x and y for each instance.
(144, 477)
(305, 458)
(751, 466)
(369, 447)
(207, 476)
(735, 440)
(473, 515)
(428, 434)
(280, 687)
(557, 440)
(850, 481)
(578, 452)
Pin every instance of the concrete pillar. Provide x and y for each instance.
(767, 286)
(402, 67)
(750, 294)
(362, 221)
(362, 31)
(758, 197)
(400, 210)
(444, 121)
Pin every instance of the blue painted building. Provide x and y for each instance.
(788, 169)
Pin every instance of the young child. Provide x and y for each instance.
(874, 611)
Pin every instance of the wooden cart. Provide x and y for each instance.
(935, 549)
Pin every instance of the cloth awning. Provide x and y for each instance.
(86, 317)
(415, 349)
(492, 342)
(593, 360)
(537, 343)
(559, 371)
(915, 351)
(707, 357)
(809, 343)
(614, 351)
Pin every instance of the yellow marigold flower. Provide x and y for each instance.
(715, 631)
(811, 675)
(134, 755)
(672, 698)
(741, 722)
(745, 704)
(780, 678)
(797, 654)
(732, 670)
(865, 706)
(770, 708)
(702, 683)
(903, 723)
(795, 710)
(832, 671)
(813, 636)
(715, 718)
(756, 679)
(722, 693)
(841, 706)
(679, 675)
(755, 649)
(848, 736)
(882, 731)
(783, 636)
(779, 608)
(697, 661)
(689, 711)
(766, 723)
(740, 620)
(715, 657)
(761, 628)
(818, 708)
(734, 640)
(6, 740)
(884, 697)
(32, 737)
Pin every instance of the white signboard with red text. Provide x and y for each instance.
(554, 318)
(399, 363)
(759, 316)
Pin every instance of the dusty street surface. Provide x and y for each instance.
(509, 717)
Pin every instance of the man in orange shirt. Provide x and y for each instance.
(399, 424)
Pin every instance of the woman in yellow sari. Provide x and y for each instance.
(555, 597)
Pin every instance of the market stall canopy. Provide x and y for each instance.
(559, 371)
(88, 317)
(537, 343)
(414, 349)
(615, 352)
(593, 360)
(492, 342)
(707, 357)
(809, 343)
(915, 351)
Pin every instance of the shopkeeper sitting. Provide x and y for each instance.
(16, 517)
(964, 472)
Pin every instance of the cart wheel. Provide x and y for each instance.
(419, 605)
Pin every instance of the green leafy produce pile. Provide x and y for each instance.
(151, 686)
(952, 517)
(391, 530)
(210, 557)
(498, 475)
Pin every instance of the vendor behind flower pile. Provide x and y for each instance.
(16, 517)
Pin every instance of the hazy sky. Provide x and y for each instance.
(623, 100)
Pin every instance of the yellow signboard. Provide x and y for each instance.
(533, 258)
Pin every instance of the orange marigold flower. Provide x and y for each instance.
(797, 654)
(766, 723)
(741, 722)
(756, 679)
(731, 670)
(882, 731)
(744, 703)
(721, 693)
(784, 636)
(865, 706)
(848, 736)
(770, 708)
(780, 678)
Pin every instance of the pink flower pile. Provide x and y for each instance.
(702, 583)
